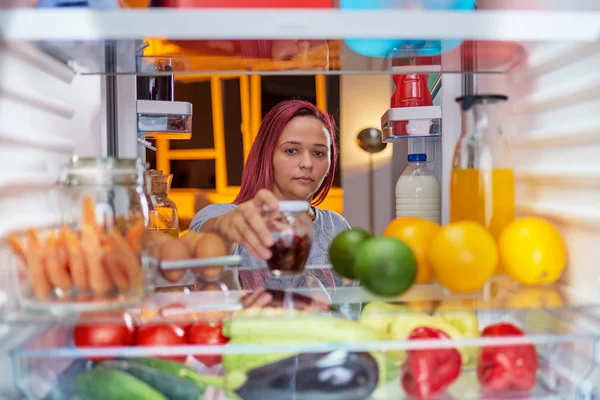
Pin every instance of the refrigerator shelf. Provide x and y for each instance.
(47, 366)
(511, 24)
(164, 119)
(500, 295)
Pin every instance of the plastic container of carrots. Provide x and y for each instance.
(96, 258)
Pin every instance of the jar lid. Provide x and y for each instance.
(294, 206)
(417, 157)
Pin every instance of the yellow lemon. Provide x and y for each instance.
(463, 256)
(417, 234)
(532, 251)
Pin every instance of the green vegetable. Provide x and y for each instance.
(379, 316)
(172, 386)
(247, 361)
(181, 371)
(110, 384)
(313, 327)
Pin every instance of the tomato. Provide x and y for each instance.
(208, 334)
(103, 335)
(162, 335)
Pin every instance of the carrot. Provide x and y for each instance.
(92, 249)
(56, 271)
(17, 247)
(36, 272)
(75, 259)
(135, 235)
(89, 214)
(112, 264)
(127, 259)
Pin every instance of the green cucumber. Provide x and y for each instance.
(181, 371)
(174, 387)
(248, 361)
(314, 327)
(110, 384)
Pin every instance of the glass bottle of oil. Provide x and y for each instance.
(163, 211)
(482, 183)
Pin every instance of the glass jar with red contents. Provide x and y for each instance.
(292, 229)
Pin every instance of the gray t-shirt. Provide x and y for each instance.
(327, 225)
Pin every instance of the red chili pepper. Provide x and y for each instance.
(506, 368)
(428, 373)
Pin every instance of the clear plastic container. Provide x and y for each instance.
(418, 191)
(292, 230)
(94, 259)
(298, 351)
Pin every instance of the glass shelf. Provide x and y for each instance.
(562, 324)
(286, 57)
(564, 341)
(500, 295)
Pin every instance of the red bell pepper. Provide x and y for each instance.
(506, 368)
(428, 373)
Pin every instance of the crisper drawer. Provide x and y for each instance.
(283, 352)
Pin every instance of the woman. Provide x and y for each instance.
(293, 158)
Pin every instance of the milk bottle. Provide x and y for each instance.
(418, 191)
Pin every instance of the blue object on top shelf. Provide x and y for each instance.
(404, 47)
(419, 157)
(96, 4)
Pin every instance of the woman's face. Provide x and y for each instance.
(301, 159)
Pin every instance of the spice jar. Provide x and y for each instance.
(95, 259)
(292, 230)
(163, 216)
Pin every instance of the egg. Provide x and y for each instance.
(173, 250)
(210, 245)
(191, 238)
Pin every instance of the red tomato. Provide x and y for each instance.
(162, 335)
(209, 334)
(103, 335)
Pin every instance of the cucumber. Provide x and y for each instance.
(314, 327)
(110, 384)
(174, 387)
(181, 371)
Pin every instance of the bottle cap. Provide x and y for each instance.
(417, 157)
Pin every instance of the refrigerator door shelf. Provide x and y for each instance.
(411, 122)
(173, 118)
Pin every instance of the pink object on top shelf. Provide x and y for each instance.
(248, 3)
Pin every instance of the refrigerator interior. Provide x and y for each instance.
(69, 99)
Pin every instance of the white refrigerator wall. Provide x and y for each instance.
(47, 113)
(553, 120)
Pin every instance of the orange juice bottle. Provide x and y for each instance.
(484, 196)
(482, 185)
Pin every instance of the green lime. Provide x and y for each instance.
(386, 266)
(342, 250)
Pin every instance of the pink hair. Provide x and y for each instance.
(258, 172)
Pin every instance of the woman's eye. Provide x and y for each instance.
(291, 151)
(319, 153)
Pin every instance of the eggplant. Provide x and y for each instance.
(338, 375)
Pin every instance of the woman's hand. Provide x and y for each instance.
(246, 225)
